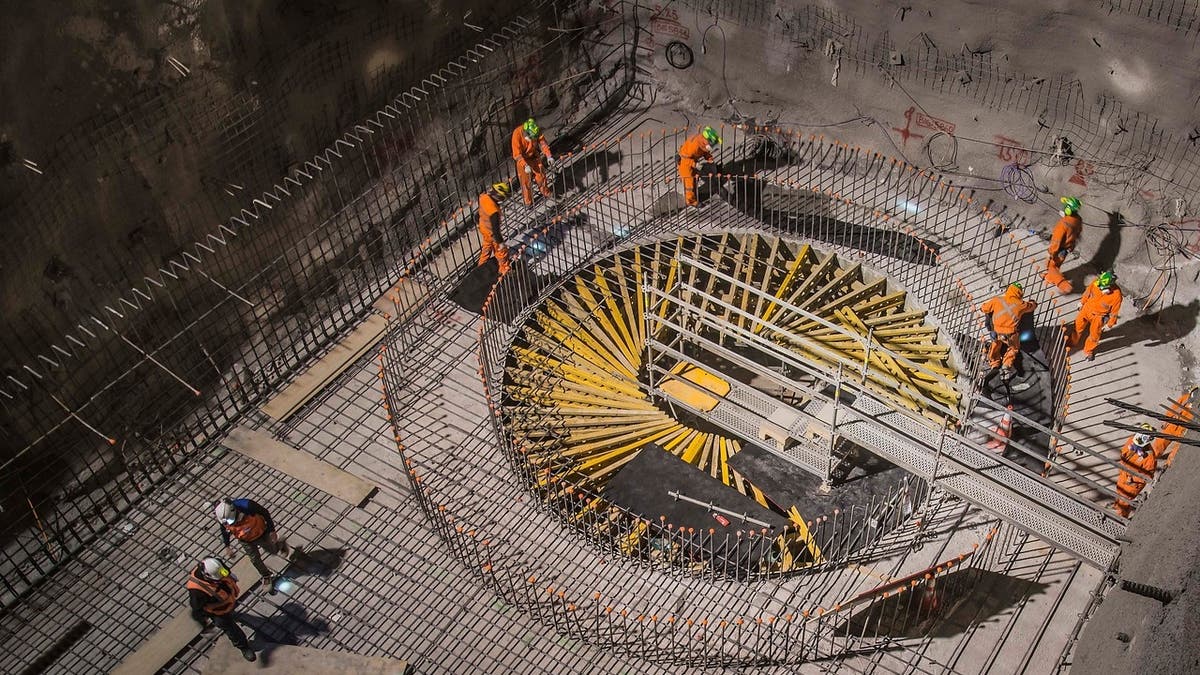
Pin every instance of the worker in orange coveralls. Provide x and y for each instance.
(1062, 242)
(694, 150)
(1098, 310)
(1138, 465)
(528, 148)
(1181, 410)
(489, 225)
(1002, 315)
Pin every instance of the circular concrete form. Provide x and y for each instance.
(636, 443)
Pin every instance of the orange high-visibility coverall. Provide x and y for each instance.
(1097, 310)
(1006, 311)
(1062, 241)
(692, 150)
(525, 154)
(1135, 471)
(489, 233)
(1181, 409)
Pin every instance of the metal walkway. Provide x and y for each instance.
(682, 320)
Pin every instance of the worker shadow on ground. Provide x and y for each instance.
(958, 600)
(291, 625)
(1154, 329)
(585, 171)
(1106, 253)
(321, 562)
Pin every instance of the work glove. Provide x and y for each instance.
(528, 169)
(228, 551)
(992, 334)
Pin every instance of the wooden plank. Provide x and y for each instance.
(299, 465)
(226, 660)
(178, 632)
(327, 368)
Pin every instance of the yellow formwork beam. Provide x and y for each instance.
(631, 347)
(805, 535)
(769, 274)
(814, 278)
(802, 260)
(608, 334)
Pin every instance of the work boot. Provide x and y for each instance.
(1090, 357)
(249, 654)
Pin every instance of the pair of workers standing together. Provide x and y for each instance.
(213, 589)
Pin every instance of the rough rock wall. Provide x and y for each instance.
(131, 126)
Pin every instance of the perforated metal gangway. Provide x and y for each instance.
(807, 409)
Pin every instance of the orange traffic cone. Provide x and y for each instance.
(1003, 432)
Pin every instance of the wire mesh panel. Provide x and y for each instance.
(130, 386)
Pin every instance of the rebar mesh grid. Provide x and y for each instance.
(454, 445)
(135, 389)
(515, 548)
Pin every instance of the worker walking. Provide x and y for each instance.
(1002, 316)
(692, 154)
(529, 147)
(1062, 242)
(489, 225)
(213, 592)
(251, 524)
(1098, 311)
(1138, 465)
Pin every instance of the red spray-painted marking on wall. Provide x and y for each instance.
(665, 21)
(1009, 154)
(1083, 169)
(911, 116)
(905, 133)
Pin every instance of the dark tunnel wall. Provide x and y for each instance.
(234, 320)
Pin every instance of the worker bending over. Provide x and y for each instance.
(1062, 242)
(213, 592)
(1002, 316)
(251, 524)
(1138, 465)
(528, 148)
(1098, 311)
(489, 225)
(692, 153)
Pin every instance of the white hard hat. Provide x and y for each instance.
(215, 568)
(226, 512)
(1143, 439)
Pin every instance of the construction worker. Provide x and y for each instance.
(489, 225)
(213, 592)
(1138, 465)
(1002, 316)
(1180, 410)
(692, 153)
(528, 148)
(251, 524)
(1098, 311)
(1063, 241)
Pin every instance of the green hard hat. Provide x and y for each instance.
(1071, 205)
(710, 135)
(1105, 280)
(531, 128)
(1017, 285)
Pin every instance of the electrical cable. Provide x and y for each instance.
(1019, 183)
